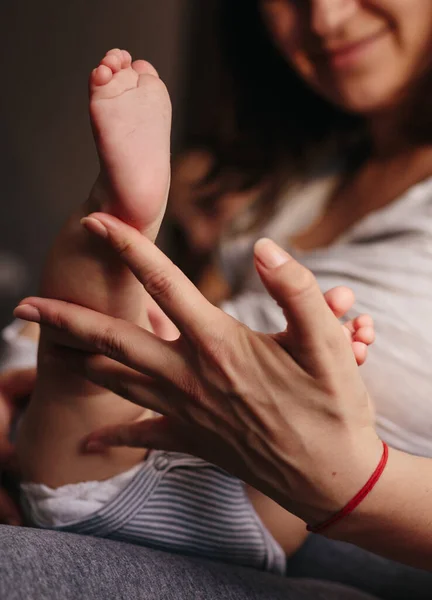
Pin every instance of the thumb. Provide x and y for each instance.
(296, 291)
(159, 433)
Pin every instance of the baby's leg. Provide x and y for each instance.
(130, 113)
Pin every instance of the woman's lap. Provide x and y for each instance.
(329, 560)
(45, 565)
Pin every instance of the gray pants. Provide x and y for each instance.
(47, 565)
(327, 560)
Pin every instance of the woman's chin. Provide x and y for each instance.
(367, 102)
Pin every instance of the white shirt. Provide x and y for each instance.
(386, 258)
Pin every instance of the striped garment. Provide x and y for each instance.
(179, 503)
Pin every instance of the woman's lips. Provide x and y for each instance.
(349, 54)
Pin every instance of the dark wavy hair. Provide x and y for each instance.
(262, 124)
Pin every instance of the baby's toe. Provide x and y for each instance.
(366, 335)
(100, 76)
(340, 300)
(363, 321)
(113, 62)
(115, 52)
(126, 59)
(360, 352)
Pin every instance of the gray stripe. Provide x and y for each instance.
(186, 529)
(188, 507)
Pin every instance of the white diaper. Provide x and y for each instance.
(171, 502)
(18, 352)
(59, 507)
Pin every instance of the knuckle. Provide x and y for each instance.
(213, 345)
(123, 246)
(221, 358)
(303, 282)
(159, 285)
(192, 390)
(57, 320)
(108, 342)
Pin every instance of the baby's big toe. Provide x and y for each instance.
(114, 69)
(142, 67)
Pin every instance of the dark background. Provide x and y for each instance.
(47, 157)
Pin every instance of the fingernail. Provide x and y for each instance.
(94, 226)
(27, 313)
(94, 446)
(269, 254)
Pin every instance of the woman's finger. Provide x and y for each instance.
(169, 287)
(296, 291)
(101, 334)
(157, 433)
(122, 380)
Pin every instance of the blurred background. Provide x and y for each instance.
(48, 162)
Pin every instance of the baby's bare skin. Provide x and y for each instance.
(131, 119)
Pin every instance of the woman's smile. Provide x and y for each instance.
(362, 55)
(352, 54)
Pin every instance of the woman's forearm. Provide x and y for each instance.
(395, 520)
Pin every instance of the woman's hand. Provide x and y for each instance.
(15, 386)
(288, 413)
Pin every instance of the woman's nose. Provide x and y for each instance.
(328, 16)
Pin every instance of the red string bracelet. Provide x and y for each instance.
(352, 504)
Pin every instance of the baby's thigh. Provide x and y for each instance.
(288, 530)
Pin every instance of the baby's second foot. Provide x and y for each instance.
(359, 331)
(131, 118)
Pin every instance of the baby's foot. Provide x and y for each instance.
(131, 118)
(360, 331)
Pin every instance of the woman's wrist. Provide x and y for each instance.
(343, 475)
(394, 520)
(357, 499)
